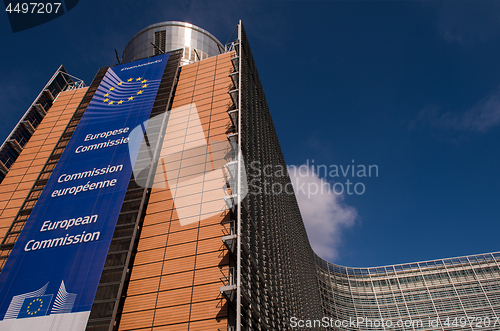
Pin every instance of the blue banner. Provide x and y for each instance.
(53, 272)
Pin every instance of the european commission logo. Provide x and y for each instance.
(37, 303)
(123, 92)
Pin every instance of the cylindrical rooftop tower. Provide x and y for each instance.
(198, 44)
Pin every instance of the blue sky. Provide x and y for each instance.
(410, 86)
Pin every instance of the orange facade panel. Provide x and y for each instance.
(146, 271)
(140, 286)
(172, 315)
(158, 224)
(16, 185)
(175, 297)
(210, 324)
(180, 253)
(178, 280)
(183, 250)
(137, 320)
(142, 302)
(208, 309)
(182, 264)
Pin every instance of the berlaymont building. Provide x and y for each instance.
(124, 205)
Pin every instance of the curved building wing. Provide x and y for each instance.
(449, 294)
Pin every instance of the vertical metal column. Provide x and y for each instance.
(238, 207)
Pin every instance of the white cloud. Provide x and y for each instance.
(324, 213)
(482, 117)
(466, 22)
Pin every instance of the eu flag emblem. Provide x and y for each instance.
(35, 306)
(122, 92)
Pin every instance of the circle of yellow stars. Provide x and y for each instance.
(132, 97)
(39, 301)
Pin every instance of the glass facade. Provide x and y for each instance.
(458, 293)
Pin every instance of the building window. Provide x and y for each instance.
(160, 40)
